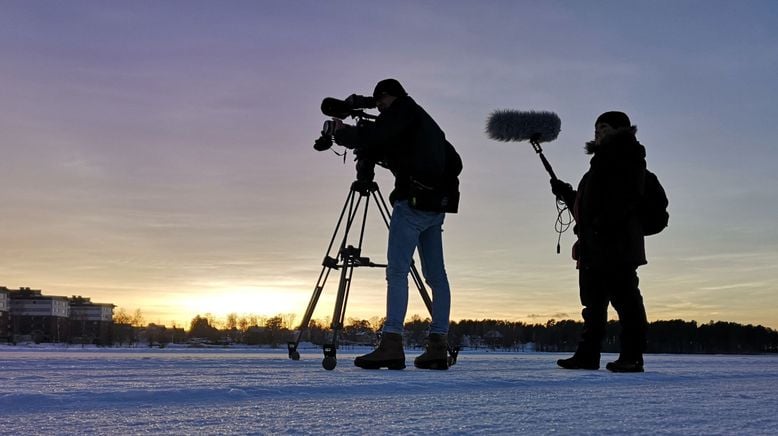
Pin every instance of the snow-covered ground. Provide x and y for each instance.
(240, 391)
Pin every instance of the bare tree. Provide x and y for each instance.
(232, 321)
(275, 323)
(121, 317)
(243, 323)
(137, 319)
(289, 320)
(212, 321)
(275, 326)
(377, 322)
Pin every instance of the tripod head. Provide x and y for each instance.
(365, 170)
(365, 182)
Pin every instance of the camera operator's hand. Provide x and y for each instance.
(338, 124)
(561, 189)
(346, 135)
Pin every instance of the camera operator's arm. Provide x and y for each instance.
(384, 139)
(385, 132)
(564, 191)
(392, 125)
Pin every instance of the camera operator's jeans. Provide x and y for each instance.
(410, 229)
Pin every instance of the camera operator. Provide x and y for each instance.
(406, 140)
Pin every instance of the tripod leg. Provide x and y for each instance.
(349, 257)
(382, 207)
(340, 302)
(330, 350)
(292, 346)
(419, 282)
(328, 264)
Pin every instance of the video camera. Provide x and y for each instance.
(341, 109)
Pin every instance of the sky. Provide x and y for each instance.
(158, 155)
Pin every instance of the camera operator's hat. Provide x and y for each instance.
(614, 119)
(391, 87)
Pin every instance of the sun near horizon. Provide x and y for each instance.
(159, 155)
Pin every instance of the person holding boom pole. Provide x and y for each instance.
(617, 203)
(610, 244)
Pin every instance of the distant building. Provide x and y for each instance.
(90, 323)
(5, 316)
(38, 317)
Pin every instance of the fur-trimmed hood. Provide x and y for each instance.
(623, 137)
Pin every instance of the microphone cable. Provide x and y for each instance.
(562, 223)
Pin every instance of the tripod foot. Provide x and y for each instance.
(329, 363)
(453, 353)
(329, 360)
(293, 353)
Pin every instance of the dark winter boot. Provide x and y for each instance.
(624, 364)
(435, 355)
(389, 354)
(581, 361)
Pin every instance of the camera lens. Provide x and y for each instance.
(329, 128)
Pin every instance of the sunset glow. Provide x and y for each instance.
(158, 155)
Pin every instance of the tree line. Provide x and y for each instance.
(673, 336)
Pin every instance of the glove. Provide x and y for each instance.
(560, 188)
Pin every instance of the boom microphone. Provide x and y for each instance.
(535, 127)
(511, 125)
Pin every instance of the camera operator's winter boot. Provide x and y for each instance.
(389, 354)
(626, 364)
(435, 355)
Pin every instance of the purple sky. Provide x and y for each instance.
(158, 155)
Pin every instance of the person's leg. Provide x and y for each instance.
(628, 302)
(595, 320)
(403, 239)
(435, 355)
(594, 298)
(434, 271)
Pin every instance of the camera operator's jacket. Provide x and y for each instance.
(605, 206)
(407, 141)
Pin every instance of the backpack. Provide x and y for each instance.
(451, 185)
(653, 208)
(444, 197)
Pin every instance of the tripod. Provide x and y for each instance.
(350, 257)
